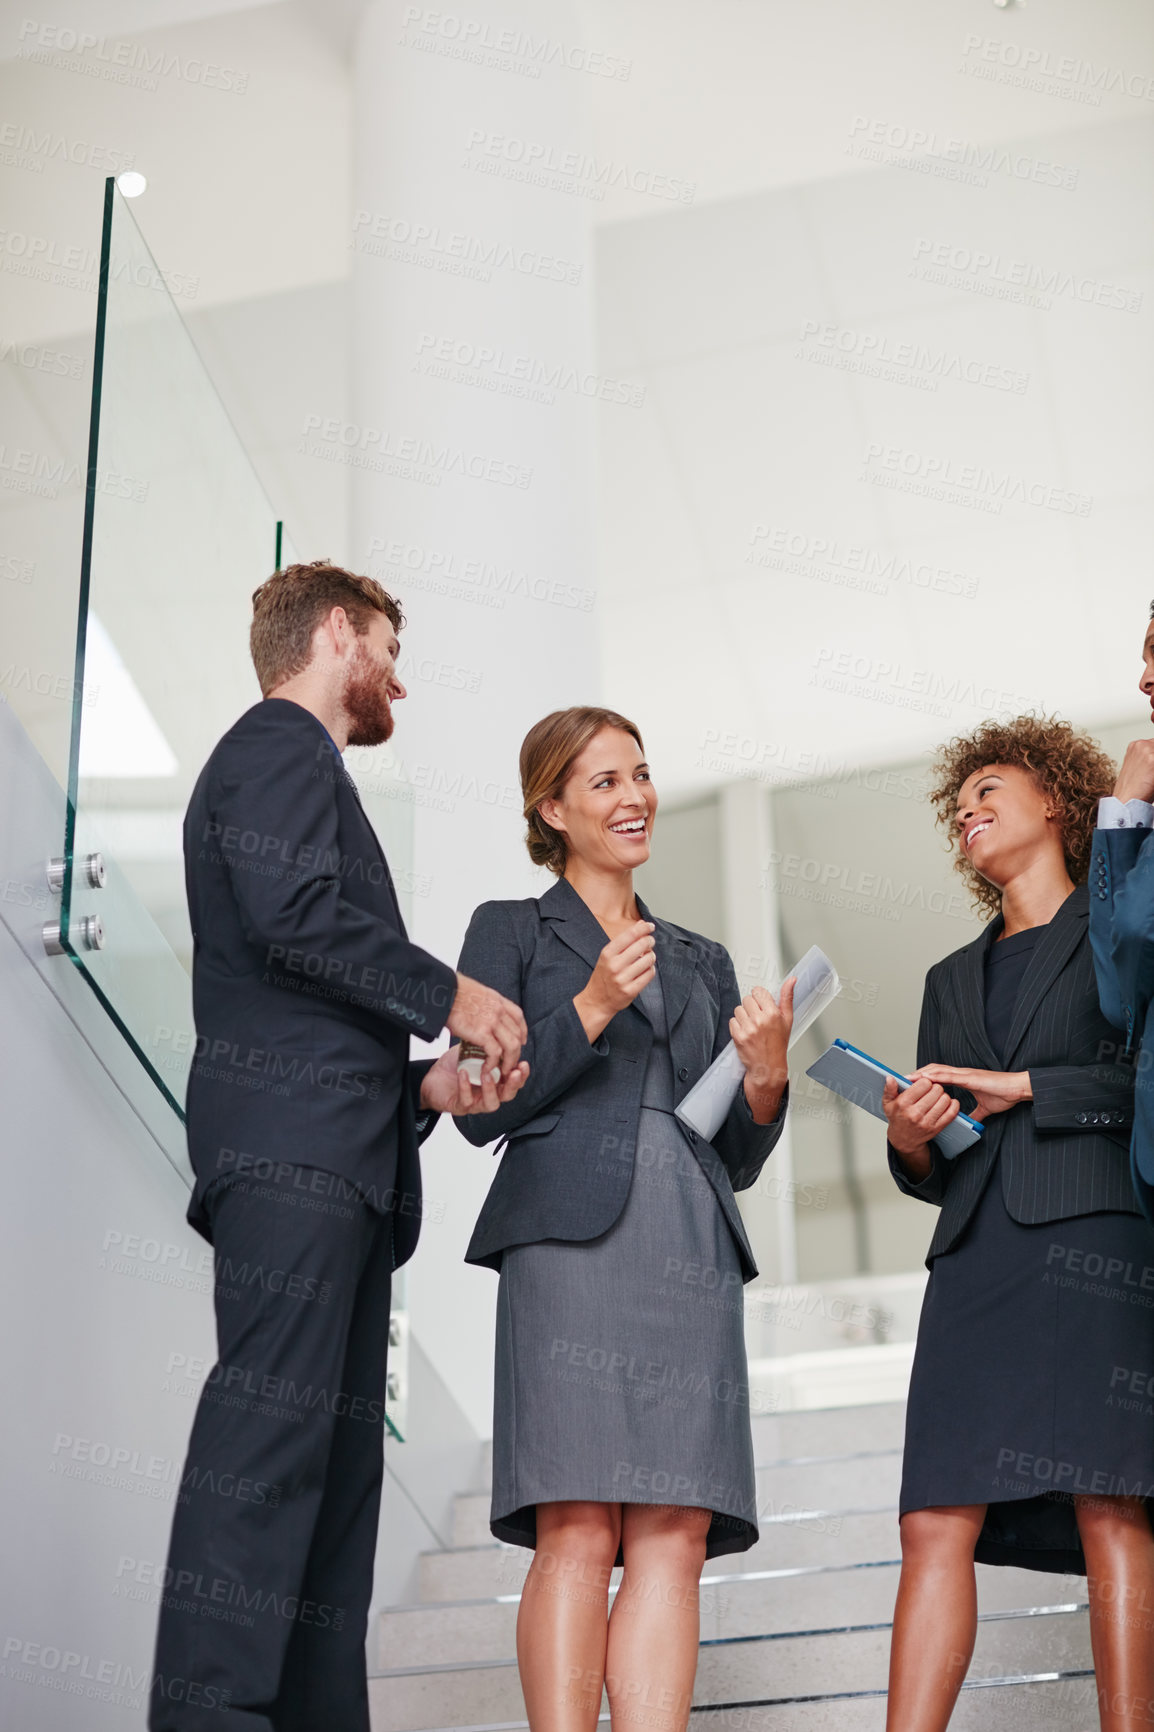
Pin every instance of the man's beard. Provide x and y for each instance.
(366, 701)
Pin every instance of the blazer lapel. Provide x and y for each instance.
(970, 985)
(326, 745)
(375, 843)
(676, 962)
(577, 926)
(1051, 954)
(574, 921)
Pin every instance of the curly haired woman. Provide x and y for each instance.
(1025, 1441)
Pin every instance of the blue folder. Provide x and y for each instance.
(857, 1077)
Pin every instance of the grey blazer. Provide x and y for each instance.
(1066, 1152)
(569, 1136)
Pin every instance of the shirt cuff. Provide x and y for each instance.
(1124, 815)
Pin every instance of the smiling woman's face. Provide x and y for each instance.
(1003, 822)
(607, 806)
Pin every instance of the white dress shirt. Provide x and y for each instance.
(1124, 815)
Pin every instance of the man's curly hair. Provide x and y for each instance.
(1069, 767)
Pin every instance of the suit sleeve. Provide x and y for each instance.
(742, 1143)
(1122, 924)
(932, 1188)
(274, 820)
(558, 1049)
(424, 1117)
(1083, 1097)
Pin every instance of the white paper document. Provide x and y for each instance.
(705, 1107)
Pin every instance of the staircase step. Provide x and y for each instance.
(1063, 1704)
(809, 1432)
(745, 1674)
(795, 1632)
(750, 1605)
(868, 1478)
(787, 1542)
(1066, 1704)
(828, 1431)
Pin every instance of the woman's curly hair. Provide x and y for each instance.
(1067, 764)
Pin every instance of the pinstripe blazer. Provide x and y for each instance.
(571, 1132)
(1066, 1152)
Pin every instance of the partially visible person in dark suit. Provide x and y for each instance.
(621, 1424)
(304, 1115)
(1023, 1445)
(1122, 924)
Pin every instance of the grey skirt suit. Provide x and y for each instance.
(620, 1358)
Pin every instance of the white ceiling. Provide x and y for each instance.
(250, 194)
(746, 95)
(744, 426)
(756, 103)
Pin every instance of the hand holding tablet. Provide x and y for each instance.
(858, 1078)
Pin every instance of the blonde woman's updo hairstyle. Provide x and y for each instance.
(1068, 766)
(548, 753)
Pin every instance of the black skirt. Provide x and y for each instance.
(1033, 1379)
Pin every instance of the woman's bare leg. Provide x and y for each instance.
(654, 1627)
(935, 1617)
(1119, 1548)
(563, 1621)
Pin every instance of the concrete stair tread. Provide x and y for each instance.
(1064, 1703)
(752, 1672)
(810, 1457)
(795, 1632)
(759, 1602)
(805, 1537)
(803, 1482)
(812, 1431)
(1058, 1609)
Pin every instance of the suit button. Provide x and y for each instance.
(693, 1136)
(683, 1073)
(1082, 1119)
(1093, 1118)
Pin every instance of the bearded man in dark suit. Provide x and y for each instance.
(304, 1118)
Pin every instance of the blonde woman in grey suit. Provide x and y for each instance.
(621, 1415)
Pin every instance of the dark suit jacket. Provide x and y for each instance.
(572, 1131)
(1064, 1152)
(1122, 934)
(305, 986)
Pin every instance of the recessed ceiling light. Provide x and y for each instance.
(131, 183)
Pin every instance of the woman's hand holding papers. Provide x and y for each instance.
(760, 1029)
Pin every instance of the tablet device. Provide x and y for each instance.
(858, 1078)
